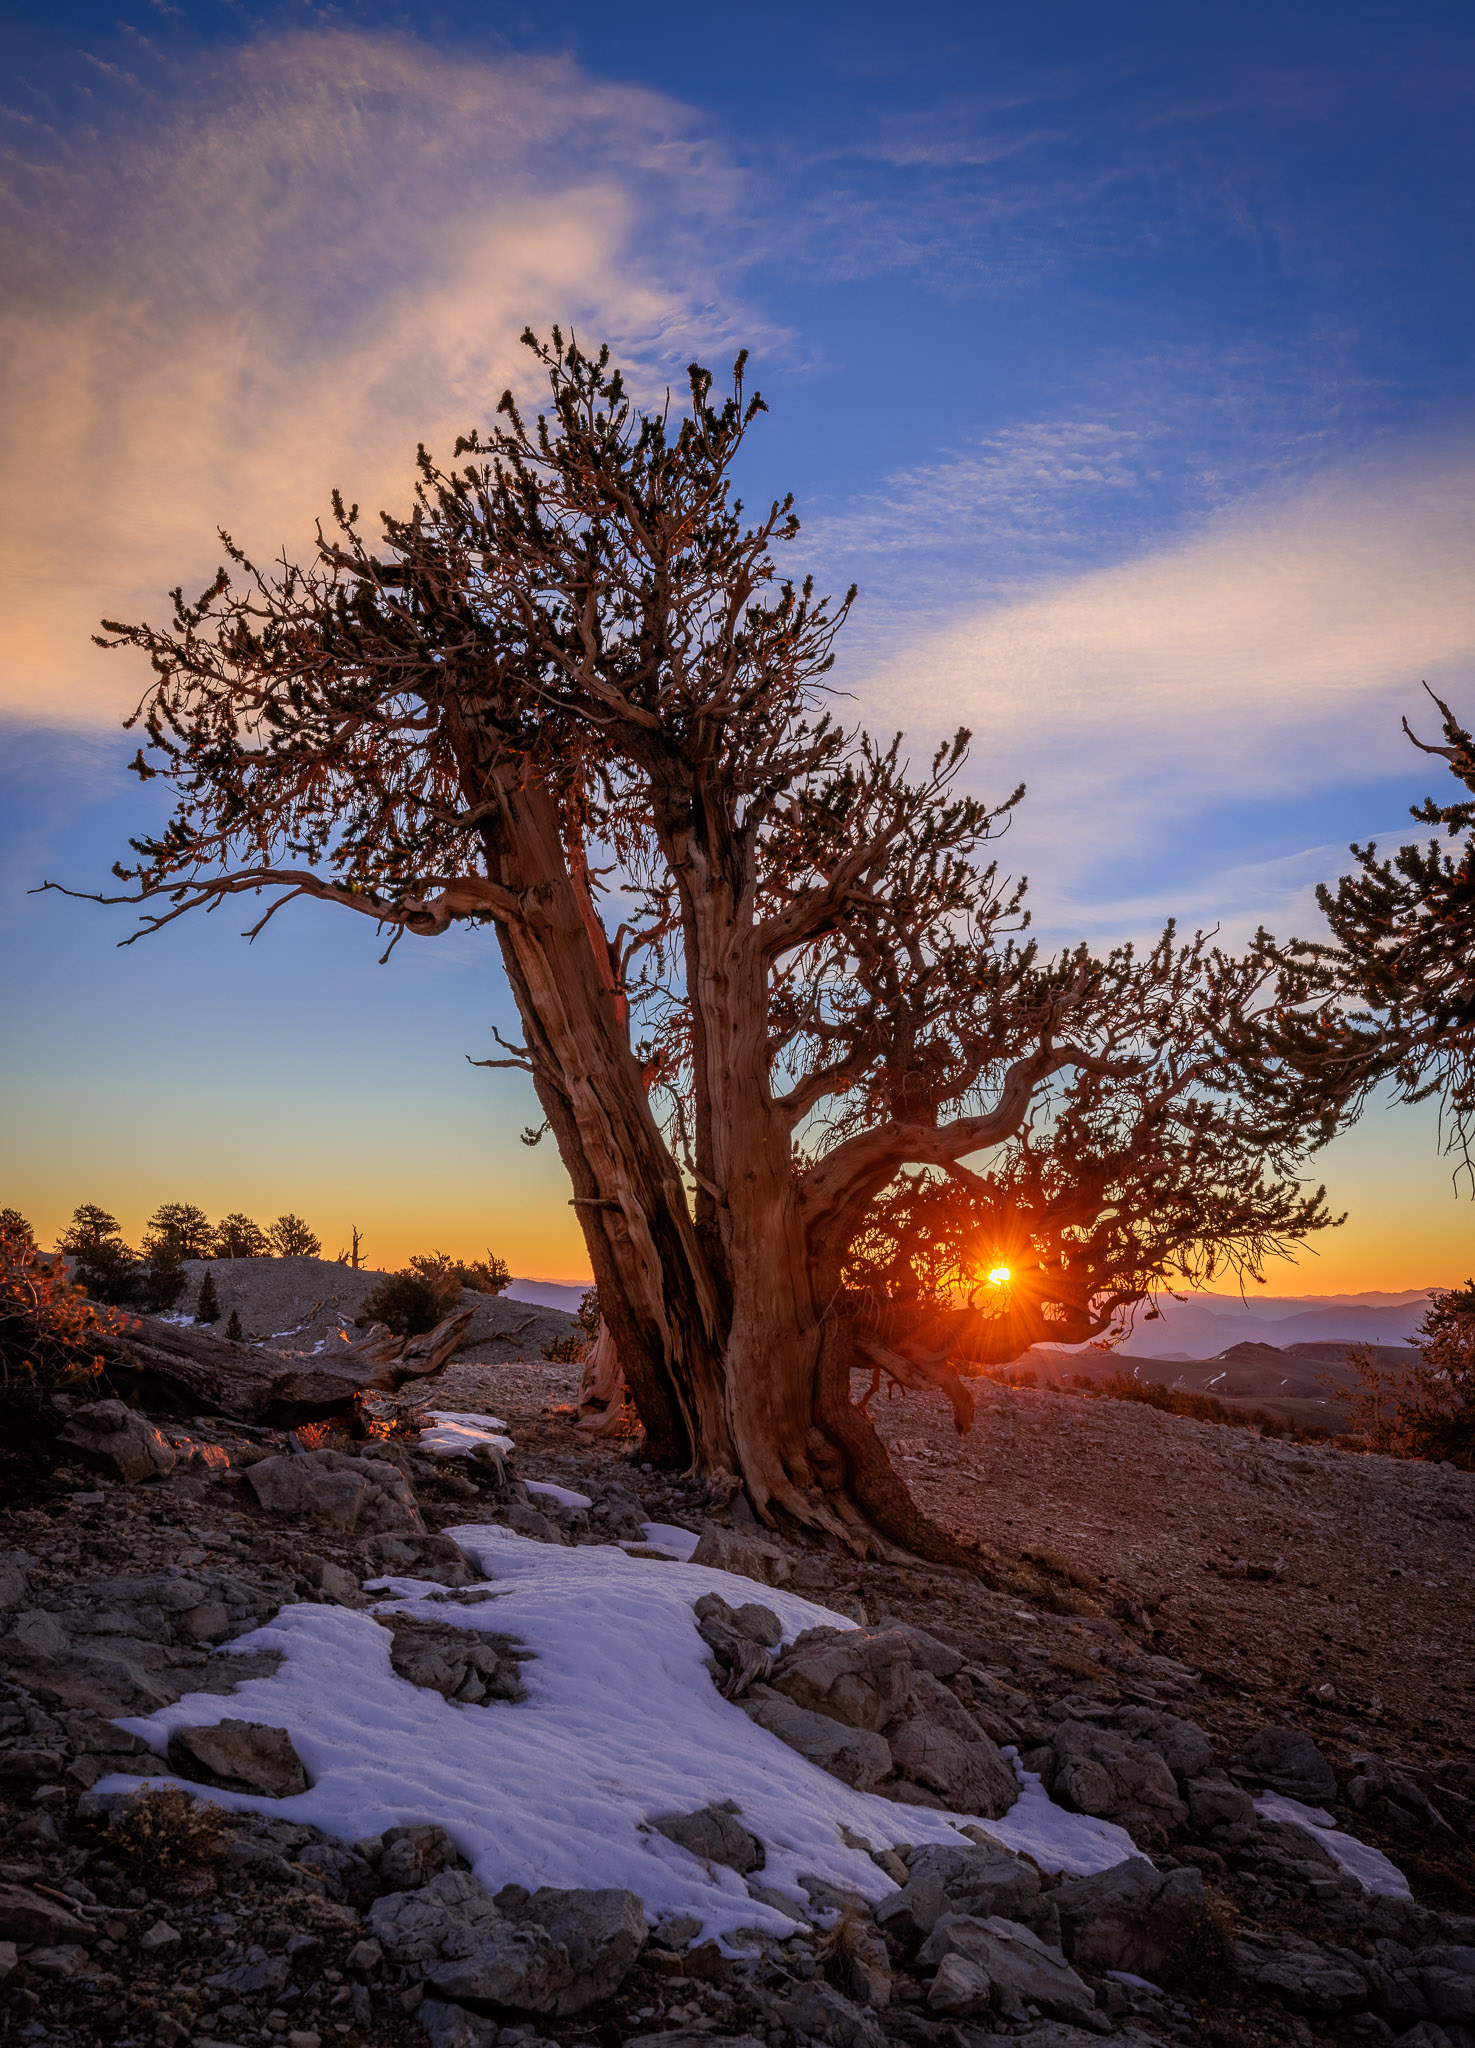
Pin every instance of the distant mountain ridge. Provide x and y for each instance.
(1206, 1325)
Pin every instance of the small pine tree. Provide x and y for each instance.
(207, 1308)
(233, 1328)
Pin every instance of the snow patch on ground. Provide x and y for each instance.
(565, 1496)
(667, 1536)
(461, 1436)
(1368, 1865)
(622, 1723)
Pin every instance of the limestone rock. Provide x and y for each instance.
(1310, 1978)
(1289, 1760)
(462, 1665)
(910, 1914)
(960, 1990)
(860, 1676)
(746, 1556)
(115, 1439)
(601, 1931)
(983, 1882)
(1023, 1970)
(854, 1755)
(559, 1952)
(1100, 1772)
(408, 1556)
(411, 1855)
(1131, 1917)
(715, 1834)
(1182, 1745)
(241, 1756)
(345, 1493)
(28, 1916)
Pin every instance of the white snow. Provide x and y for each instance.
(1368, 1865)
(667, 1536)
(460, 1436)
(565, 1496)
(622, 1723)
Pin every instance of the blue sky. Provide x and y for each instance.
(1121, 355)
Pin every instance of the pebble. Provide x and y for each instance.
(160, 1935)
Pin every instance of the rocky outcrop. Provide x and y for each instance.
(715, 1834)
(241, 1756)
(550, 1951)
(1290, 1762)
(113, 1438)
(347, 1494)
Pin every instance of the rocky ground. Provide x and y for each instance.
(1177, 1619)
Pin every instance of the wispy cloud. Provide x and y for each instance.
(328, 258)
(1268, 657)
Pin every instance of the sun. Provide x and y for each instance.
(998, 1276)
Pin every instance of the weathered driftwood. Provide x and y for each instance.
(252, 1384)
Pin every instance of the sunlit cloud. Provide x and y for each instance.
(328, 258)
(1269, 656)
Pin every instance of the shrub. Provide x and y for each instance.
(177, 1231)
(49, 1330)
(569, 1350)
(290, 1238)
(588, 1311)
(167, 1840)
(1426, 1407)
(448, 1276)
(1120, 1386)
(207, 1308)
(407, 1302)
(237, 1237)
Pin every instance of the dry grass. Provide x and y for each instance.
(168, 1841)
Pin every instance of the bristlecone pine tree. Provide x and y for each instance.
(233, 1328)
(759, 965)
(1397, 983)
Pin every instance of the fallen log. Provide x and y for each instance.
(251, 1384)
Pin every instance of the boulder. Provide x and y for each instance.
(15, 1578)
(413, 1854)
(1308, 1977)
(240, 1756)
(452, 2026)
(557, 1952)
(860, 1676)
(983, 1882)
(910, 1913)
(113, 1438)
(854, 1755)
(28, 1916)
(1100, 1772)
(928, 1653)
(1021, 1968)
(960, 1990)
(715, 1835)
(970, 1777)
(1290, 1761)
(1131, 1917)
(601, 1932)
(1182, 1745)
(1218, 1802)
(344, 1493)
(747, 1557)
